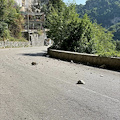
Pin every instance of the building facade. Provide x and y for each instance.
(34, 30)
(29, 2)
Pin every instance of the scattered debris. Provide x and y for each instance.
(103, 66)
(80, 82)
(71, 61)
(33, 63)
(101, 75)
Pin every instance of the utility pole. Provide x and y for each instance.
(28, 21)
(28, 27)
(23, 6)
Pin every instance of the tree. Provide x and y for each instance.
(4, 31)
(103, 41)
(104, 11)
(71, 33)
(58, 22)
(11, 17)
(116, 31)
(118, 45)
(16, 26)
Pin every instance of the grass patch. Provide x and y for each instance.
(22, 39)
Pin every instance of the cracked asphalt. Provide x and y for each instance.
(48, 90)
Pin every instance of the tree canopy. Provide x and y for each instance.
(116, 31)
(105, 12)
(11, 20)
(71, 33)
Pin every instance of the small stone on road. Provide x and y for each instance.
(33, 63)
(80, 82)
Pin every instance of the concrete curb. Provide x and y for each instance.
(109, 62)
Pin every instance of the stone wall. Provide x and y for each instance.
(10, 44)
(35, 40)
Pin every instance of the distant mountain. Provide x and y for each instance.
(105, 12)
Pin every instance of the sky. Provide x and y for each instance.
(77, 1)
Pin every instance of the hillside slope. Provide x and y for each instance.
(116, 29)
(105, 12)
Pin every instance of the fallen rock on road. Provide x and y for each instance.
(80, 82)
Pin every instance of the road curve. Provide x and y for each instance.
(48, 90)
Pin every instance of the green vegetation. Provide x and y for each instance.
(71, 33)
(105, 12)
(21, 39)
(40, 32)
(11, 20)
(4, 31)
(116, 31)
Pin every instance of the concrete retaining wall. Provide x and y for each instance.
(10, 44)
(112, 63)
(37, 40)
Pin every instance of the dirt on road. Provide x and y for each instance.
(47, 90)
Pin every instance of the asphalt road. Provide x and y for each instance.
(48, 90)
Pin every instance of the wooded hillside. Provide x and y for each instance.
(105, 12)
